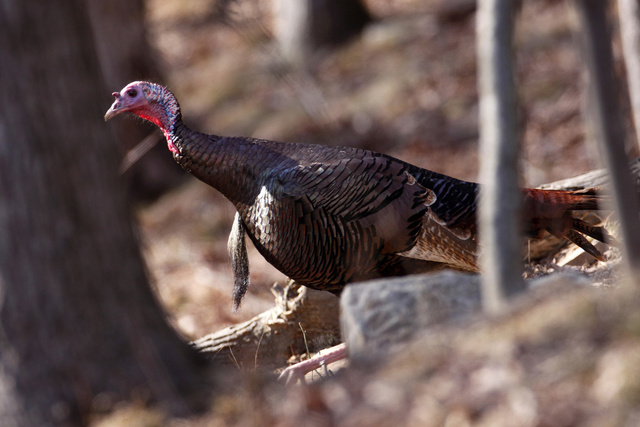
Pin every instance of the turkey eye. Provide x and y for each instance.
(132, 93)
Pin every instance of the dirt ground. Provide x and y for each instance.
(406, 87)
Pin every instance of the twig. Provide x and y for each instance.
(304, 337)
(138, 151)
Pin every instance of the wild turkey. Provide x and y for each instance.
(327, 216)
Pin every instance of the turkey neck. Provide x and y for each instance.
(230, 165)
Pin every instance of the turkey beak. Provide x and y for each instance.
(115, 108)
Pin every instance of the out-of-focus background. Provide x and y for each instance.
(405, 85)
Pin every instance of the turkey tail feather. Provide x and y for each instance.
(551, 210)
(582, 241)
(598, 233)
(239, 261)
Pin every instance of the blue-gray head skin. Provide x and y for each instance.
(150, 101)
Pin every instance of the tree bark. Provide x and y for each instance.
(499, 216)
(80, 327)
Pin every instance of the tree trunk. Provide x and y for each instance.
(629, 15)
(80, 327)
(499, 217)
(607, 125)
(303, 26)
(125, 55)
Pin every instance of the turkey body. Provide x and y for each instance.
(326, 216)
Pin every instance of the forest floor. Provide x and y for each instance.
(406, 87)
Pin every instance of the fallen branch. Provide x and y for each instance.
(270, 339)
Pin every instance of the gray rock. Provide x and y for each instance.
(384, 316)
(381, 316)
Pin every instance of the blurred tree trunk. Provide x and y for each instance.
(500, 227)
(79, 325)
(303, 26)
(629, 14)
(125, 55)
(605, 119)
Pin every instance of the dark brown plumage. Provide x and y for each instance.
(327, 216)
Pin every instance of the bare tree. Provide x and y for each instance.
(500, 227)
(80, 325)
